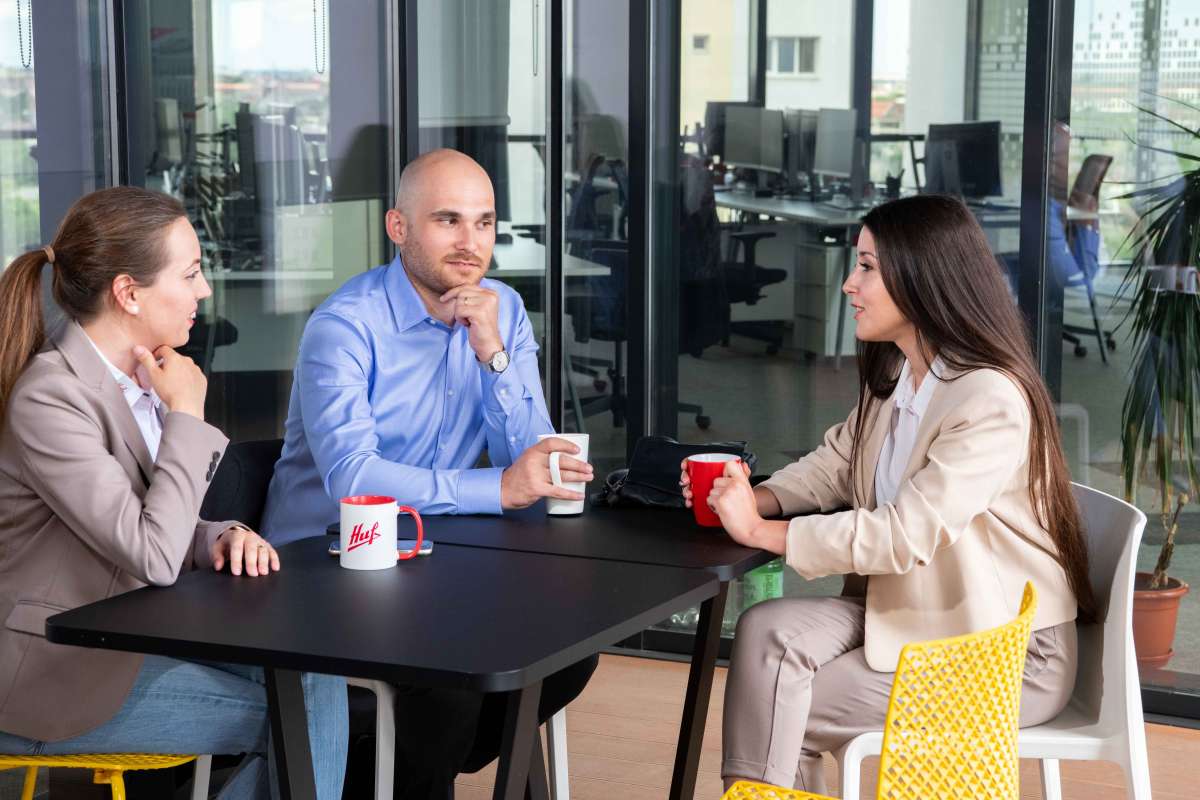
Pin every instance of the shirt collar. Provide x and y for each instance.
(407, 306)
(129, 386)
(906, 399)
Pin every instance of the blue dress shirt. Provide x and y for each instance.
(388, 400)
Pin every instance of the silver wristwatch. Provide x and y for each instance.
(498, 362)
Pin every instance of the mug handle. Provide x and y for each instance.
(420, 533)
(555, 468)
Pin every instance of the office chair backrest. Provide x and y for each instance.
(1106, 680)
(239, 489)
(1091, 176)
(599, 135)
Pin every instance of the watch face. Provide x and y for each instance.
(499, 361)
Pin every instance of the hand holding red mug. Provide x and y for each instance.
(733, 500)
(685, 482)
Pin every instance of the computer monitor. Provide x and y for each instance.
(836, 128)
(963, 158)
(800, 127)
(714, 124)
(754, 138)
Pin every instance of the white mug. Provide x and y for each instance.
(553, 504)
(368, 532)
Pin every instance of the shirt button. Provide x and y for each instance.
(504, 392)
(512, 439)
(450, 392)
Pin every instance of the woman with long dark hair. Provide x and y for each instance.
(105, 458)
(957, 489)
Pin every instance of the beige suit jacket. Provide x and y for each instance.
(85, 514)
(952, 552)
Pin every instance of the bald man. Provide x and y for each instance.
(407, 374)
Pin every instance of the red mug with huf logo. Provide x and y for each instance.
(369, 532)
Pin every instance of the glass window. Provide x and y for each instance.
(596, 336)
(785, 54)
(270, 121)
(50, 154)
(489, 101)
(1131, 129)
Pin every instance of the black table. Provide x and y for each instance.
(463, 617)
(661, 537)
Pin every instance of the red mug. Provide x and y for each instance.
(702, 470)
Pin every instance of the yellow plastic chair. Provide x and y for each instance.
(110, 768)
(951, 727)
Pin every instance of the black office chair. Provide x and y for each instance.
(1083, 238)
(239, 489)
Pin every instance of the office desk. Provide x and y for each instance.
(662, 537)
(465, 617)
(526, 258)
(806, 212)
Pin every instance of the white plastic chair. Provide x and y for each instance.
(1103, 720)
(385, 742)
(385, 733)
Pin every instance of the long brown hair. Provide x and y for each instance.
(117, 231)
(939, 270)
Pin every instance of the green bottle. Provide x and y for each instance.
(764, 583)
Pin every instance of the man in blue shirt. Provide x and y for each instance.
(406, 375)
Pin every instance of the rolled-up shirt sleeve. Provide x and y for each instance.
(335, 376)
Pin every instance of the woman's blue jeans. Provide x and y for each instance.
(188, 707)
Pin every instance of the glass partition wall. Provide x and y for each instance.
(677, 214)
(272, 123)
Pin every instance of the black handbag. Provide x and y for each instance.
(652, 478)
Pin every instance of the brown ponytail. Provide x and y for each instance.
(105, 234)
(22, 331)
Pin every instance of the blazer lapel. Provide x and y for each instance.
(80, 354)
(878, 418)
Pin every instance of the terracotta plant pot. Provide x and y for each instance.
(1154, 615)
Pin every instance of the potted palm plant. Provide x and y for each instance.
(1159, 413)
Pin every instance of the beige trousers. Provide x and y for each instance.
(799, 685)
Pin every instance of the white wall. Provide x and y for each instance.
(832, 24)
(937, 63)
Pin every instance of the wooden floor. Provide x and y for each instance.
(622, 729)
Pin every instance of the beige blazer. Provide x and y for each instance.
(84, 515)
(952, 552)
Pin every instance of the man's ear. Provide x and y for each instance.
(396, 226)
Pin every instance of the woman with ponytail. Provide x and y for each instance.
(105, 458)
(958, 493)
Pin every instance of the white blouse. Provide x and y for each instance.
(144, 403)
(910, 403)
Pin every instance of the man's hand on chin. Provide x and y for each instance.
(479, 310)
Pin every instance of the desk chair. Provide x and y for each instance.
(1083, 239)
(951, 726)
(109, 768)
(744, 282)
(239, 491)
(1103, 720)
(599, 310)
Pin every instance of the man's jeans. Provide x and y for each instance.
(186, 707)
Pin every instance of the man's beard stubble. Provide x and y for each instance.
(425, 270)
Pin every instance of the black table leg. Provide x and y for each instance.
(289, 732)
(699, 688)
(516, 745)
(538, 788)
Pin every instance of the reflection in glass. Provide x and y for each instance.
(269, 121)
(1131, 66)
